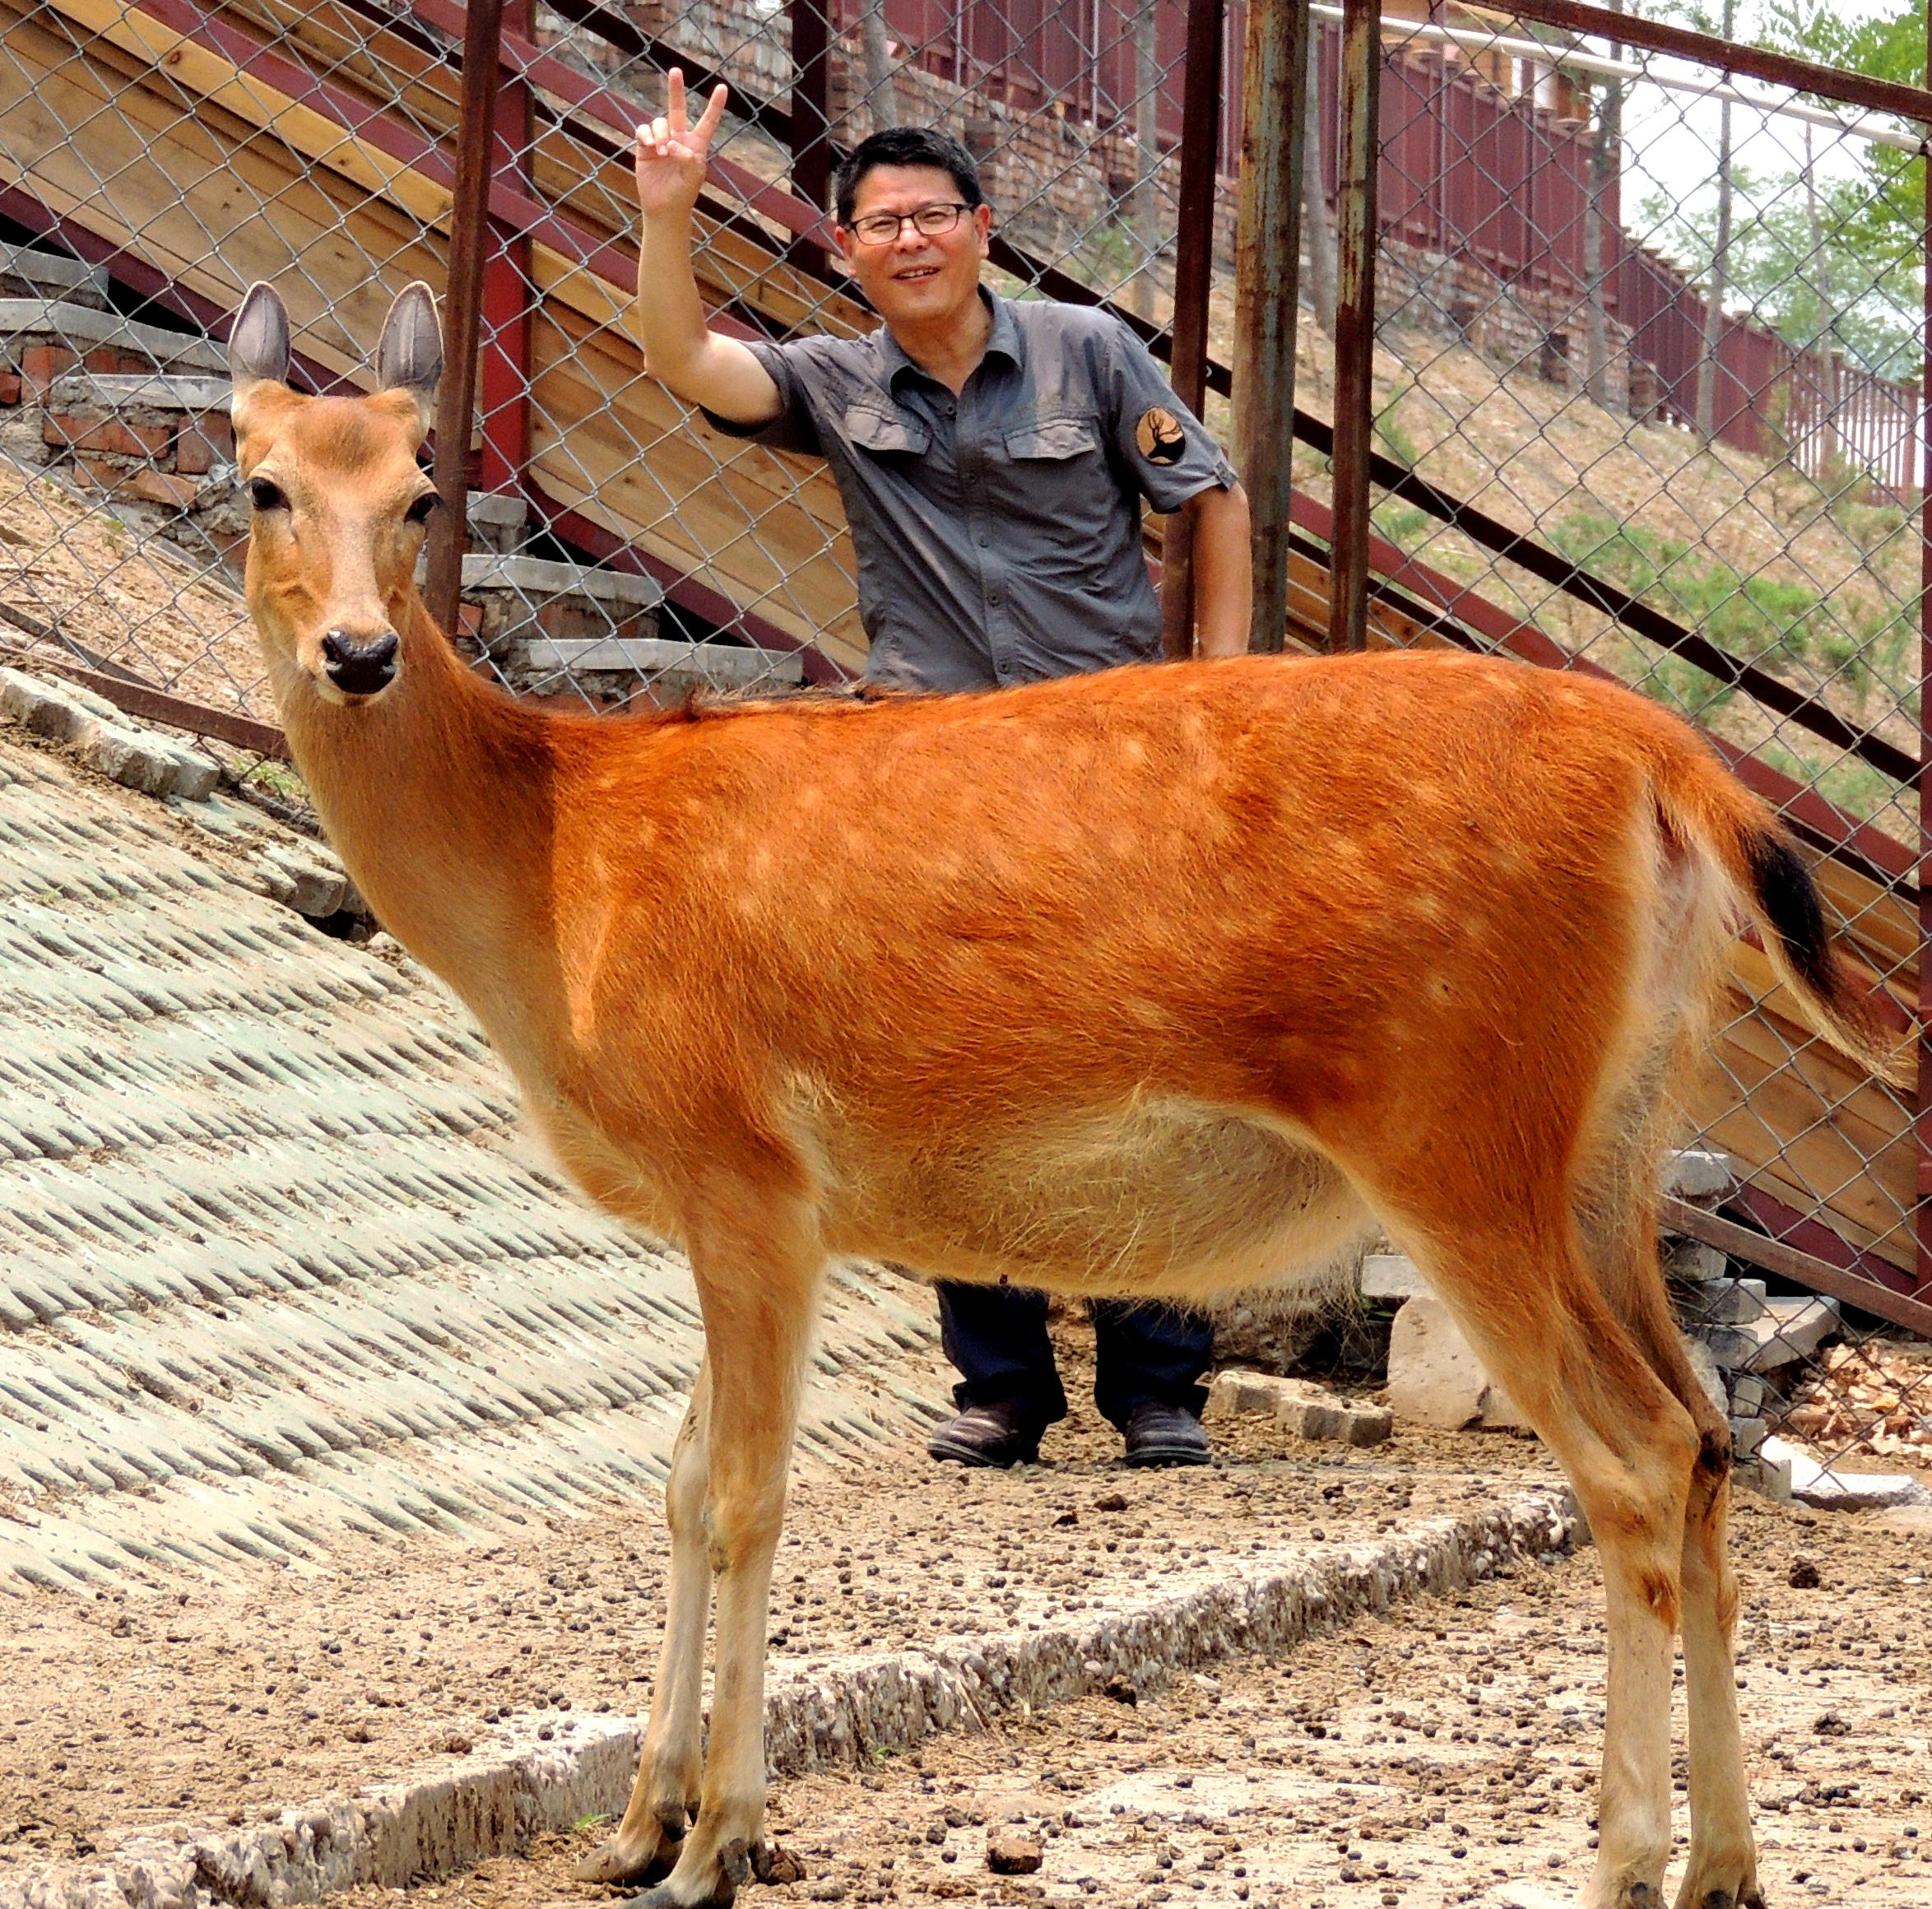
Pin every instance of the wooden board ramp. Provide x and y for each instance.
(215, 151)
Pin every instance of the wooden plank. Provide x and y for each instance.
(1775, 1256)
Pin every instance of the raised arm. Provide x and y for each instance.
(702, 368)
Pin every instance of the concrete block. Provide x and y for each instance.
(127, 756)
(1725, 1302)
(303, 882)
(1244, 1394)
(1708, 1375)
(1733, 1347)
(1691, 1263)
(1701, 1175)
(1435, 1377)
(56, 713)
(1392, 1277)
(196, 776)
(1771, 1477)
(1304, 1409)
(1747, 1435)
(1747, 1394)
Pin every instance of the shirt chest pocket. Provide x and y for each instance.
(1056, 476)
(885, 433)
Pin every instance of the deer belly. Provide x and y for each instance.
(1163, 1198)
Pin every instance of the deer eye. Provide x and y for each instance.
(419, 512)
(265, 495)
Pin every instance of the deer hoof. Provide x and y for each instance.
(613, 1861)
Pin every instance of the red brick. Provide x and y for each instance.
(160, 487)
(41, 364)
(208, 441)
(81, 431)
(10, 387)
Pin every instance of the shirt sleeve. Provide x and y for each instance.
(1156, 438)
(794, 428)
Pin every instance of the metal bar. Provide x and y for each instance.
(1776, 69)
(1194, 272)
(1355, 321)
(1267, 264)
(1775, 1256)
(811, 115)
(463, 311)
(159, 706)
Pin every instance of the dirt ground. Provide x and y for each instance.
(1445, 1753)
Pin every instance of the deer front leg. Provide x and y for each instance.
(757, 1332)
(646, 1843)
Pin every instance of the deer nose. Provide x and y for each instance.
(359, 665)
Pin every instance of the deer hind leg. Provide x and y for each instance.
(1619, 1212)
(759, 1289)
(1527, 1300)
(646, 1843)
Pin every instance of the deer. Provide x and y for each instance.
(1165, 982)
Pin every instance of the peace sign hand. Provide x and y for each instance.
(671, 153)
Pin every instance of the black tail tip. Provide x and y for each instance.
(1789, 899)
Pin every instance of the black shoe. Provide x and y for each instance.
(999, 1434)
(1161, 1434)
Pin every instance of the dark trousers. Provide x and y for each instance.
(996, 1338)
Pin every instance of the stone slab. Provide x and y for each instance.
(724, 664)
(1832, 1485)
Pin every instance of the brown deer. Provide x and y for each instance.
(1160, 982)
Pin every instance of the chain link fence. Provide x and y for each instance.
(1660, 330)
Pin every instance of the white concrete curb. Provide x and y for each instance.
(445, 1821)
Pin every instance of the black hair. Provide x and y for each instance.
(907, 145)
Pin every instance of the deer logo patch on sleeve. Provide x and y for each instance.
(1159, 436)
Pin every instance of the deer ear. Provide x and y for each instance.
(408, 357)
(257, 345)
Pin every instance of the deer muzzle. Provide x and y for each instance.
(359, 665)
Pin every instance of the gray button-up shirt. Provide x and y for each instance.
(998, 532)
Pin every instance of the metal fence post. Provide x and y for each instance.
(503, 363)
(1355, 323)
(1267, 265)
(456, 402)
(1194, 272)
(812, 117)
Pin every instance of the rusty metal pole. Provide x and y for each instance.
(1194, 273)
(461, 310)
(1267, 272)
(1355, 323)
(1922, 1095)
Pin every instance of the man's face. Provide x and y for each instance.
(917, 277)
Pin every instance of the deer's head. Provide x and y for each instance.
(338, 502)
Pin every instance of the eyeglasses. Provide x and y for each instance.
(884, 228)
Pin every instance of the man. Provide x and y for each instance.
(991, 457)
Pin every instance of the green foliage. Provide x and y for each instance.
(1393, 439)
(1402, 524)
(1756, 618)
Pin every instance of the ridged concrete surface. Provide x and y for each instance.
(274, 1278)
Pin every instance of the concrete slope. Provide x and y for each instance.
(276, 1275)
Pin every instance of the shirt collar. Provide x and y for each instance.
(1005, 339)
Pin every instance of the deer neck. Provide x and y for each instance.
(440, 799)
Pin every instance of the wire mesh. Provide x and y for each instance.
(1699, 403)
